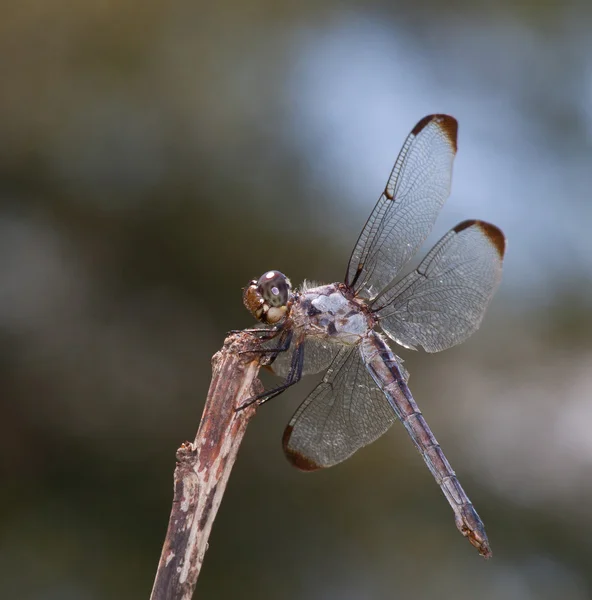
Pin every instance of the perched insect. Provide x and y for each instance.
(438, 305)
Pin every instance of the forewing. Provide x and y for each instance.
(405, 213)
(343, 413)
(442, 302)
(318, 355)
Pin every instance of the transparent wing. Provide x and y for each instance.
(405, 213)
(343, 413)
(442, 302)
(318, 355)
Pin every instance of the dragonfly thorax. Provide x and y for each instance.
(327, 312)
(267, 298)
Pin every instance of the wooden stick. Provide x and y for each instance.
(203, 468)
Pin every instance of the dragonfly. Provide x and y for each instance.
(345, 327)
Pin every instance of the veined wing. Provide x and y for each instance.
(343, 413)
(442, 302)
(318, 355)
(405, 213)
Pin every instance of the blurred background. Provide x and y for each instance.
(156, 156)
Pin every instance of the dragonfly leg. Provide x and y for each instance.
(284, 343)
(264, 333)
(294, 376)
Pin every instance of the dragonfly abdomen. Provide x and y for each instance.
(388, 375)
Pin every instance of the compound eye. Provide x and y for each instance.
(274, 288)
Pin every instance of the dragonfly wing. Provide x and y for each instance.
(405, 213)
(318, 355)
(442, 302)
(343, 413)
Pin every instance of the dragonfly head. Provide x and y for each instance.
(268, 297)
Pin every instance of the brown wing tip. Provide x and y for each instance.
(448, 125)
(296, 459)
(491, 232)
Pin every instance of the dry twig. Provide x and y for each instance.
(203, 468)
